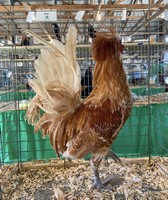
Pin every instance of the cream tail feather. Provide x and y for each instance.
(57, 78)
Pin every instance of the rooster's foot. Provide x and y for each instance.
(98, 184)
(114, 156)
(101, 185)
(113, 181)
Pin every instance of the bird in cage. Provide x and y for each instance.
(57, 31)
(86, 82)
(91, 31)
(78, 127)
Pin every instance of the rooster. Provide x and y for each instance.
(79, 127)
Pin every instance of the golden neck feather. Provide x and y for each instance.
(109, 82)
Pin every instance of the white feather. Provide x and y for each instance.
(56, 67)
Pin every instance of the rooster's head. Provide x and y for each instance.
(107, 45)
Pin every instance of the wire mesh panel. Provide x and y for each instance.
(158, 100)
(86, 65)
(136, 127)
(8, 130)
(145, 134)
(146, 65)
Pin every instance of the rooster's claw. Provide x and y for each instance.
(113, 156)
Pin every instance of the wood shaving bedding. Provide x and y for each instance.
(73, 181)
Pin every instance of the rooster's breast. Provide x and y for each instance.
(94, 129)
(106, 123)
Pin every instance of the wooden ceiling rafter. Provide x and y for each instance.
(53, 35)
(47, 34)
(149, 20)
(98, 10)
(129, 12)
(146, 15)
(26, 6)
(152, 2)
(109, 12)
(77, 27)
(4, 31)
(14, 17)
(68, 12)
(10, 24)
(86, 7)
(119, 1)
(70, 15)
(65, 27)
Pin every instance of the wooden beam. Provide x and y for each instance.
(77, 7)
(128, 13)
(4, 31)
(65, 27)
(26, 6)
(87, 7)
(72, 16)
(15, 8)
(45, 31)
(120, 17)
(145, 15)
(119, 1)
(149, 20)
(23, 16)
(98, 10)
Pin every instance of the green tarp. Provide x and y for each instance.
(19, 143)
(143, 91)
(11, 96)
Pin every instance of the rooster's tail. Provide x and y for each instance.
(57, 79)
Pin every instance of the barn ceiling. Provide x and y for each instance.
(131, 17)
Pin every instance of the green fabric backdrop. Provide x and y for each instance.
(10, 96)
(19, 143)
(143, 91)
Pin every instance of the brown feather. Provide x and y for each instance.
(79, 128)
(105, 46)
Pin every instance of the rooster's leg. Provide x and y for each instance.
(114, 156)
(97, 182)
(95, 162)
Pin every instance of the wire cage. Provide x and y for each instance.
(144, 137)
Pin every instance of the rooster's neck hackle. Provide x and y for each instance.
(110, 80)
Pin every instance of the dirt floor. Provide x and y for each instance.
(131, 180)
